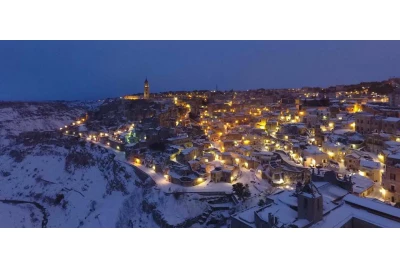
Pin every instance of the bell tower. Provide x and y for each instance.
(146, 93)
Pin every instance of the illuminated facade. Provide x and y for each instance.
(132, 97)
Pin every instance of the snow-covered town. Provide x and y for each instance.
(272, 158)
(143, 134)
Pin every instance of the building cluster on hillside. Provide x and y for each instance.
(283, 135)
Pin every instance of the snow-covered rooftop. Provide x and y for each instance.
(343, 214)
(378, 207)
(370, 164)
(391, 119)
(285, 214)
(313, 150)
(361, 183)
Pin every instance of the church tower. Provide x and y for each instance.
(146, 93)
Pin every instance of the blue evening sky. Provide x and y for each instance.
(49, 70)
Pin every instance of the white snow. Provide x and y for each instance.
(370, 164)
(361, 183)
(42, 175)
(391, 119)
(19, 215)
(338, 217)
(285, 214)
(17, 117)
(376, 206)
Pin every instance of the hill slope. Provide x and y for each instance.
(17, 117)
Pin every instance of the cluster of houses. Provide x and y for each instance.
(191, 137)
(323, 201)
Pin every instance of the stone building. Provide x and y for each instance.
(188, 154)
(371, 169)
(391, 179)
(375, 142)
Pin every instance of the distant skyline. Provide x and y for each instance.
(72, 70)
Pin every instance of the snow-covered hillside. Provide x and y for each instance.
(17, 117)
(65, 182)
(156, 208)
(78, 185)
